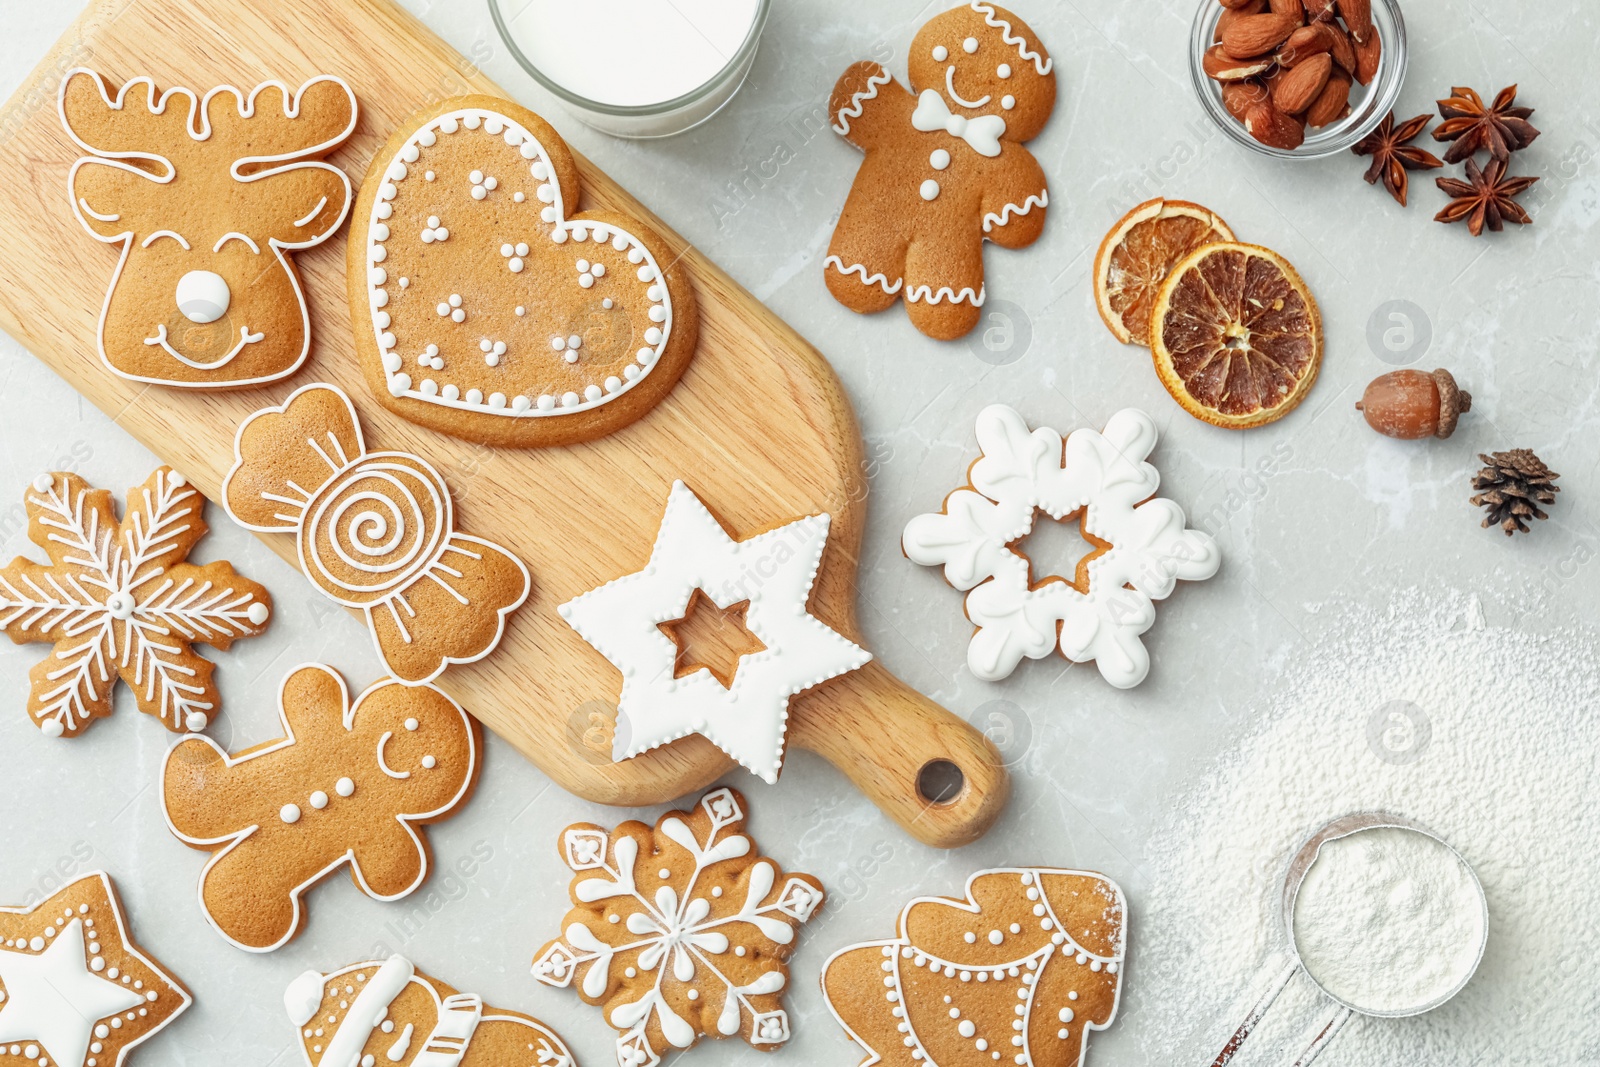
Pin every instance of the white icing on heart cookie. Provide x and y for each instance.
(485, 297)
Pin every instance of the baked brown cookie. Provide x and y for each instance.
(392, 1013)
(945, 167)
(376, 532)
(207, 196)
(488, 306)
(347, 783)
(77, 991)
(1018, 972)
(120, 600)
(681, 931)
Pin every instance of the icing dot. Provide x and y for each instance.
(1008, 101)
(664, 873)
(940, 53)
(195, 721)
(458, 315)
(929, 189)
(428, 761)
(518, 196)
(575, 342)
(450, 392)
(319, 800)
(966, 1029)
(429, 175)
(694, 994)
(970, 45)
(51, 728)
(969, 937)
(289, 813)
(939, 160)
(1015, 928)
(1003, 70)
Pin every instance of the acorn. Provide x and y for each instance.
(1411, 404)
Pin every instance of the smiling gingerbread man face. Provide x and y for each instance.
(985, 61)
(347, 784)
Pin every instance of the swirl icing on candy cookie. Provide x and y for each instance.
(494, 306)
(376, 532)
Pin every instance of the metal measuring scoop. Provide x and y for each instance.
(1344, 826)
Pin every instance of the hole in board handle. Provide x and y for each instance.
(941, 782)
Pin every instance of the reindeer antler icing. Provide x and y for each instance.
(376, 532)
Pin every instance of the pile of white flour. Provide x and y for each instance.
(1489, 736)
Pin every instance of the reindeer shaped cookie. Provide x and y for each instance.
(346, 784)
(945, 169)
(207, 197)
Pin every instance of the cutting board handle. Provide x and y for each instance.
(883, 734)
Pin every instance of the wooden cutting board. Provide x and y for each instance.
(759, 426)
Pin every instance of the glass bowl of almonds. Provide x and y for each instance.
(1298, 79)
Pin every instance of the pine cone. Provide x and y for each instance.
(1514, 484)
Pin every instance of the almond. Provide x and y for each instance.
(1333, 103)
(1319, 10)
(1272, 127)
(1339, 46)
(1233, 14)
(1299, 88)
(1297, 8)
(1357, 18)
(1224, 68)
(1304, 43)
(1232, 5)
(1238, 96)
(1368, 57)
(1256, 35)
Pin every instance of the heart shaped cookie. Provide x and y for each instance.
(487, 307)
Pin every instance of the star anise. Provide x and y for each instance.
(1501, 127)
(1392, 156)
(1487, 196)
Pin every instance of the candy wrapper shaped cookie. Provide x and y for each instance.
(376, 531)
(121, 600)
(680, 931)
(1019, 972)
(345, 784)
(945, 167)
(207, 196)
(390, 1013)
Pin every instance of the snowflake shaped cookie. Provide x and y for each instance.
(1141, 545)
(122, 600)
(680, 931)
(630, 621)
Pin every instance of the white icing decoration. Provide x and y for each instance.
(680, 933)
(852, 110)
(366, 502)
(939, 159)
(748, 720)
(203, 296)
(160, 171)
(879, 280)
(982, 134)
(124, 605)
(410, 821)
(929, 189)
(54, 998)
(928, 294)
(940, 53)
(527, 147)
(1040, 63)
(1103, 474)
(991, 220)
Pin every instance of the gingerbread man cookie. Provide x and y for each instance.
(207, 196)
(376, 531)
(488, 306)
(75, 991)
(120, 600)
(392, 1013)
(1018, 972)
(945, 169)
(345, 784)
(680, 931)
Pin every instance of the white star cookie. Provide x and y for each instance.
(772, 573)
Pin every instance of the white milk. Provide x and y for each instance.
(634, 53)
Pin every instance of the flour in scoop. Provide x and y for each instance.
(630, 53)
(1388, 920)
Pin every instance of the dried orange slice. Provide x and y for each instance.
(1237, 337)
(1138, 254)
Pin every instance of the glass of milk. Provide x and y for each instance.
(635, 68)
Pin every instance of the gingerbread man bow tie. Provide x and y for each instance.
(982, 134)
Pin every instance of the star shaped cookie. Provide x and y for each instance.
(630, 621)
(77, 992)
